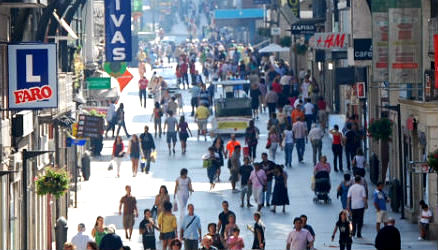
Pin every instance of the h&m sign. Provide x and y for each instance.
(118, 31)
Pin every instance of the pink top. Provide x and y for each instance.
(258, 178)
(238, 241)
(321, 167)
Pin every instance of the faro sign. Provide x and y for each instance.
(118, 30)
(32, 76)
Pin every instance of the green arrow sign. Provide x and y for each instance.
(99, 83)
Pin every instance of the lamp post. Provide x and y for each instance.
(26, 155)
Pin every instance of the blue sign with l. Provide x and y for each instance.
(118, 31)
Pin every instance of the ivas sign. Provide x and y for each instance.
(118, 30)
(32, 76)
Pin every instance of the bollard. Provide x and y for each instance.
(61, 232)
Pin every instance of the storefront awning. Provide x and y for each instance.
(239, 13)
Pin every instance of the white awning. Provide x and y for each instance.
(272, 48)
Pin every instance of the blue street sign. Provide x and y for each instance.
(118, 31)
(262, 1)
(32, 76)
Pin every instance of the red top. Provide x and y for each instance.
(276, 87)
(184, 67)
(321, 105)
(337, 138)
(178, 73)
(115, 148)
(143, 83)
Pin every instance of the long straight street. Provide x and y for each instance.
(101, 194)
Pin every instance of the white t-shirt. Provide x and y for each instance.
(305, 89)
(298, 239)
(308, 108)
(357, 195)
(360, 161)
(427, 213)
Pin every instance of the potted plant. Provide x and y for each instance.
(432, 160)
(54, 182)
(380, 129)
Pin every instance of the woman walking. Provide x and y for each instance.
(183, 131)
(280, 196)
(218, 145)
(256, 96)
(345, 228)
(183, 189)
(251, 139)
(288, 140)
(98, 230)
(342, 190)
(118, 153)
(274, 140)
(120, 114)
(134, 153)
(337, 148)
(161, 198)
(167, 225)
(359, 163)
(157, 114)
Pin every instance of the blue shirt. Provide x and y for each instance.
(196, 91)
(191, 231)
(380, 199)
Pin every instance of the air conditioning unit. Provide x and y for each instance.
(23, 3)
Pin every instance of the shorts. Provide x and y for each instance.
(183, 136)
(194, 101)
(171, 137)
(381, 216)
(128, 221)
(167, 236)
(258, 195)
(234, 175)
(245, 189)
(424, 226)
(202, 124)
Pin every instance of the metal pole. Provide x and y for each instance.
(400, 159)
(76, 174)
(24, 199)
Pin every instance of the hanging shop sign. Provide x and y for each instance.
(118, 31)
(294, 7)
(363, 49)
(360, 90)
(380, 40)
(98, 82)
(329, 41)
(90, 126)
(301, 29)
(33, 81)
(404, 47)
(262, 1)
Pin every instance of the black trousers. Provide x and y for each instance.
(271, 108)
(142, 95)
(337, 156)
(357, 221)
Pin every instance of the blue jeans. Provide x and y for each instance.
(268, 192)
(288, 149)
(301, 145)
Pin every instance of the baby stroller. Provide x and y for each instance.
(322, 187)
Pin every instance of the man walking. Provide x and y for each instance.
(300, 133)
(196, 92)
(80, 240)
(308, 113)
(229, 149)
(350, 145)
(147, 145)
(380, 200)
(299, 238)
(190, 229)
(245, 171)
(388, 237)
(171, 124)
(129, 204)
(223, 218)
(315, 138)
(268, 168)
(357, 203)
(142, 85)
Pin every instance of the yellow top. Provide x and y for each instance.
(202, 113)
(167, 222)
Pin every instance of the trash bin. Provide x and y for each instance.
(374, 169)
(395, 195)
(61, 232)
(85, 165)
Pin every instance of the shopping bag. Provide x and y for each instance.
(245, 151)
(312, 183)
(175, 206)
(110, 167)
(154, 156)
(142, 164)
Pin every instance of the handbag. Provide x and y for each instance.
(154, 156)
(265, 187)
(175, 206)
(268, 144)
(154, 211)
(110, 167)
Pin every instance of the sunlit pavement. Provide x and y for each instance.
(101, 194)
